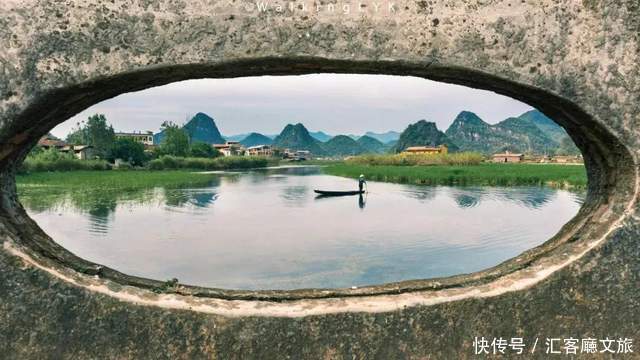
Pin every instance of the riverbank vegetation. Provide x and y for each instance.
(405, 159)
(168, 162)
(53, 160)
(111, 180)
(100, 192)
(484, 174)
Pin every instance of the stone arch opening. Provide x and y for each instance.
(611, 187)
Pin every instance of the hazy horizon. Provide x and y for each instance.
(333, 103)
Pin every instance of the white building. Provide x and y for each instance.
(145, 138)
(260, 150)
(230, 148)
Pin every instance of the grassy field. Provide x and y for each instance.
(111, 180)
(486, 174)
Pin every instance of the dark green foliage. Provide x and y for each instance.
(76, 136)
(128, 150)
(175, 141)
(95, 132)
(35, 151)
(255, 139)
(203, 150)
(423, 133)
(54, 160)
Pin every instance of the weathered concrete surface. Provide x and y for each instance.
(575, 60)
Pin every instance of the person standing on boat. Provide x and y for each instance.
(361, 182)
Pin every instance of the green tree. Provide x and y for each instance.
(100, 134)
(76, 136)
(128, 150)
(96, 132)
(36, 150)
(204, 150)
(175, 141)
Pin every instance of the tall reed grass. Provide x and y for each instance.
(403, 159)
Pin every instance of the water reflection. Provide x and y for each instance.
(423, 194)
(295, 195)
(263, 229)
(530, 197)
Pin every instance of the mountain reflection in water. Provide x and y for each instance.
(265, 229)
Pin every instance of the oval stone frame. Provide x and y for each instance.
(80, 56)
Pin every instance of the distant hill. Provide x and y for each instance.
(565, 146)
(471, 133)
(371, 145)
(384, 137)
(520, 134)
(342, 145)
(201, 128)
(423, 133)
(237, 137)
(297, 137)
(254, 139)
(320, 136)
(545, 124)
(527, 137)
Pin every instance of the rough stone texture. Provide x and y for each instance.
(575, 60)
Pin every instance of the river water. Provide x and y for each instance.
(268, 230)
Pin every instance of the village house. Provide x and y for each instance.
(508, 157)
(431, 150)
(81, 152)
(260, 150)
(296, 155)
(303, 155)
(145, 138)
(49, 142)
(230, 148)
(566, 159)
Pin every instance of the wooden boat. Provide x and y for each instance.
(338, 193)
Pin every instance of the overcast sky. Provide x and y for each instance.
(333, 103)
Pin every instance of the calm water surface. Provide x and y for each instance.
(267, 229)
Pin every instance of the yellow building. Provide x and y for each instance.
(442, 149)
